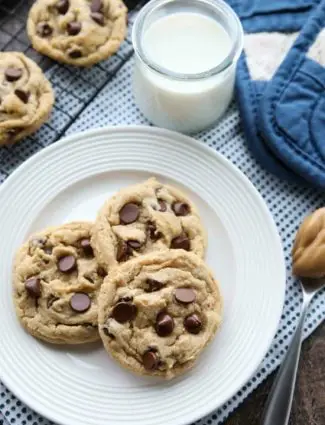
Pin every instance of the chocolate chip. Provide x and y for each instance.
(134, 244)
(193, 324)
(152, 229)
(185, 295)
(153, 285)
(33, 287)
(180, 209)
(74, 28)
(80, 302)
(48, 250)
(75, 53)
(13, 74)
(101, 272)
(150, 360)
(51, 300)
(86, 246)
(63, 6)
(162, 205)
(164, 324)
(124, 311)
(181, 242)
(96, 6)
(67, 264)
(23, 95)
(98, 18)
(123, 251)
(44, 29)
(129, 213)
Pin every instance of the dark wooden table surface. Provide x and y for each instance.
(309, 400)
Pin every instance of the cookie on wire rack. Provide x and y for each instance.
(26, 97)
(77, 32)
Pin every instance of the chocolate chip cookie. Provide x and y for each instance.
(26, 97)
(157, 312)
(56, 284)
(77, 32)
(143, 218)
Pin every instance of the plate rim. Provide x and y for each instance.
(106, 130)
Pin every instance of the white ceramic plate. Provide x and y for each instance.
(70, 180)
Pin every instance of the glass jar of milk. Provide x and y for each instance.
(186, 53)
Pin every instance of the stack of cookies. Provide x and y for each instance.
(134, 279)
(76, 32)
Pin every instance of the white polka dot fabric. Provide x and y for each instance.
(110, 102)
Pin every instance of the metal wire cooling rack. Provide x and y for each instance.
(74, 87)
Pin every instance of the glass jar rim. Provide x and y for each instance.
(219, 5)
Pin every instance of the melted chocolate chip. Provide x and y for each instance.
(74, 28)
(67, 264)
(153, 285)
(164, 324)
(129, 213)
(44, 29)
(98, 18)
(80, 302)
(134, 244)
(180, 209)
(181, 242)
(96, 6)
(22, 95)
(150, 360)
(153, 233)
(185, 295)
(162, 205)
(101, 272)
(75, 53)
(123, 251)
(13, 74)
(33, 287)
(124, 311)
(86, 247)
(62, 6)
(193, 324)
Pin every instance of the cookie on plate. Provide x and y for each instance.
(143, 218)
(77, 32)
(156, 313)
(26, 97)
(56, 285)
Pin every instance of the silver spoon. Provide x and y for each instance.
(279, 401)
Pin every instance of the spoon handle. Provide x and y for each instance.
(279, 401)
